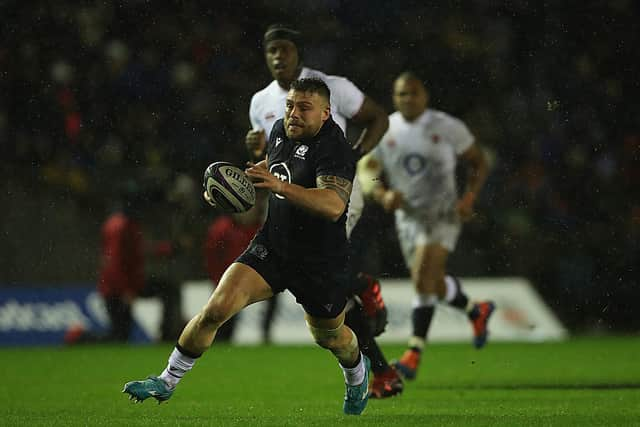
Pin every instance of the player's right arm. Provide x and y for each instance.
(256, 143)
(389, 199)
(364, 111)
(374, 119)
(328, 200)
(256, 138)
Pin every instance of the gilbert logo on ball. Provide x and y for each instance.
(229, 188)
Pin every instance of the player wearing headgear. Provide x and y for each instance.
(283, 46)
(302, 247)
(418, 157)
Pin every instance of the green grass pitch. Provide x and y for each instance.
(587, 381)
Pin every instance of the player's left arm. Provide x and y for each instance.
(478, 170)
(375, 122)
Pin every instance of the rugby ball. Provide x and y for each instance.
(229, 188)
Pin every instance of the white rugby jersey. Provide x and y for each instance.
(268, 104)
(419, 160)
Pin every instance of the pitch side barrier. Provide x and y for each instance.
(521, 315)
(42, 316)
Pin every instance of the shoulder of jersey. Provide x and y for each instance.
(337, 83)
(316, 74)
(395, 119)
(278, 126)
(331, 80)
(441, 116)
(395, 116)
(336, 137)
(264, 92)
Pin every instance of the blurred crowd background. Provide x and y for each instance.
(99, 95)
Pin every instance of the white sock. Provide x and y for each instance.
(179, 364)
(424, 300)
(355, 375)
(452, 289)
(416, 342)
(470, 305)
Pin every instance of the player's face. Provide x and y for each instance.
(304, 114)
(282, 60)
(410, 98)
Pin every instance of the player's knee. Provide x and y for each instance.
(326, 338)
(426, 286)
(430, 283)
(328, 342)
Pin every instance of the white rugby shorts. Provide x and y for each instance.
(414, 232)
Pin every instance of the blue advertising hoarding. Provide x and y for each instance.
(42, 316)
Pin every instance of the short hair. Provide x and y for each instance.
(410, 75)
(312, 84)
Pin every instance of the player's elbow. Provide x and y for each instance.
(332, 204)
(336, 214)
(334, 210)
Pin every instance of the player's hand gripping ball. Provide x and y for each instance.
(227, 188)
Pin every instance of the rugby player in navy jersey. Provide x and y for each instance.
(367, 315)
(302, 247)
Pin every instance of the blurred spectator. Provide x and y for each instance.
(121, 276)
(122, 272)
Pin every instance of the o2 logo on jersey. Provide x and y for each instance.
(414, 163)
(282, 172)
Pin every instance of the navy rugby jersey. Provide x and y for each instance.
(293, 231)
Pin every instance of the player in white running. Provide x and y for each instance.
(417, 157)
(283, 53)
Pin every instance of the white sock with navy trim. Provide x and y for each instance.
(355, 375)
(179, 364)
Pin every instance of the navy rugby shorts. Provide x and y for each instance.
(321, 287)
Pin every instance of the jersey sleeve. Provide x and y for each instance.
(348, 97)
(253, 114)
(460, 136)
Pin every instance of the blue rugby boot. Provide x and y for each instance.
(357, 396)
(151, 387)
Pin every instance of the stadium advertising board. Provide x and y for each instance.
(521, 314)
(42, 316)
